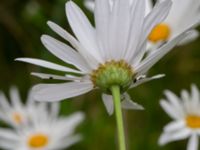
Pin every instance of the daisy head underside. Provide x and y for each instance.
(113, 73)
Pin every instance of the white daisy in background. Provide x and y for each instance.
(112, 53)
(14, 113)
(45, 131)
(181, 15)
(185, 112)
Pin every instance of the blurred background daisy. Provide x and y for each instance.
(37, 126)
(185, 112)
(177, 21)
(45, 133)
(14, 112)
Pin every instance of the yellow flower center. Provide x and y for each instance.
(193, 121)
(112, 73)
(160, 32)
(17, 117)
(38, 140)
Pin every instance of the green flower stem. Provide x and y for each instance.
(118, 112)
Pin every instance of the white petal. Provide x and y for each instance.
(174, 136)
(146, 79)
(68, 125)
(76, 44)
(68, 142)
(195, 95)
(170, 110)
(127, 103)
(65, 53)
(102, 17)
(57, 92)
(137, 21)
(4, 104)
(64, 34)
(8, 145)
(176, 11)
(175, 102)
(29, 100)
(15, 98)
(74, 119)
(8, 134)
(89, 5)
(148, 62)
(56, 77)
(149, 7)
(4, 117)
(185, 95)
(82, 29)
(180, 17)
(55, 108)
(108, 102)
(47, 64)
(119, 28)
(175, 125)
(186, 100)
(193, 35)
(21, 148)
(193, 142)
(180, 134)
(164, 139)
(172, 98)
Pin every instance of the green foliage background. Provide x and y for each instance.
(22, 22)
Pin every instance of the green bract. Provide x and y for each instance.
(112, 73)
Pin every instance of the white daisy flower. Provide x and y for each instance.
(45, 131)
(185, 112)
(14, 113)
(112, 53)
(179, 18)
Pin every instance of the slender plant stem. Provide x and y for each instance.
(119, 118)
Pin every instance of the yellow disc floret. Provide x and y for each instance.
(193, 121)
(160, 32)
(38, 140)
(17, 118)
(112, 73)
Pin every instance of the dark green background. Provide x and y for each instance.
(22, 22)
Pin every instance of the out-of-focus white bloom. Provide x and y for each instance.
(14, 113)
(45, 131)
(182, 14)
(185, 112)
(112, 53)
